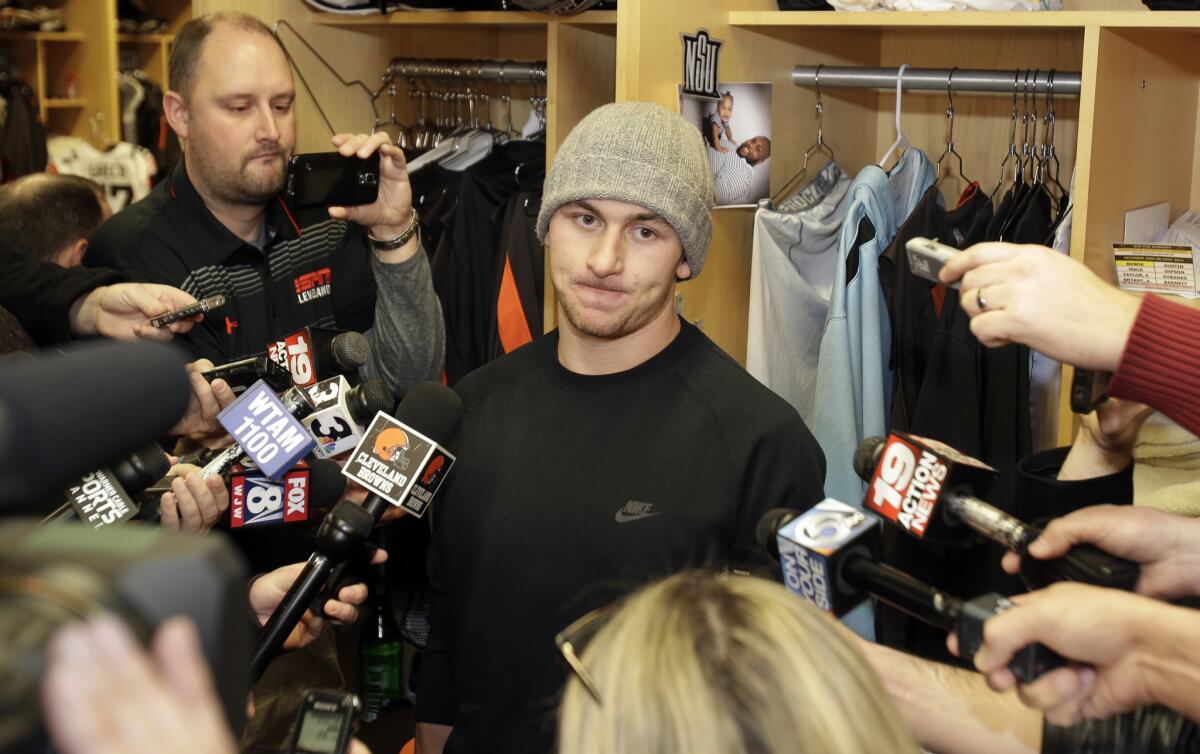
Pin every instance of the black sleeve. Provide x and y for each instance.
(433, 671)
(784, 468)
(40, 294)
(1147, 730)
(354, 288)
(147, 257)
(1041, 495)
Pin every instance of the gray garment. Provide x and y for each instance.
(792, 268)
(408, 339)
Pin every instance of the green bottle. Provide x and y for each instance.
(382, 665)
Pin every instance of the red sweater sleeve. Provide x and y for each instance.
(1161, 363)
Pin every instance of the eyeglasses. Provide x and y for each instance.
(572, 640)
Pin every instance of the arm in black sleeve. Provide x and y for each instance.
(433, 671)
(40, 294)
(784, 467)
(1147, 730)
(1040, 494)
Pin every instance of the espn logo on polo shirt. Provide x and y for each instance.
(313, 285)
(256, 500)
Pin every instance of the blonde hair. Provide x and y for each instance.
(709, 663)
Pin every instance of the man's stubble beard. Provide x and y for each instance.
(237, 186)
(630, 322)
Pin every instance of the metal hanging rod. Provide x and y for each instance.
(938, 79)
(468, 70)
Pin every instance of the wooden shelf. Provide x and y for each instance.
(1063, 19)
(42, 36)
(63, 103)
(463, 18)
(146, 39)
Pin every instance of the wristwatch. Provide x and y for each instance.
(392, 244)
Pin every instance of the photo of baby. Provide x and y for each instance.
(741, 169)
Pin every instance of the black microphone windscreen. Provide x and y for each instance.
(326, 483)
(432, 409)
(142, 468)
(369, 398)
(66, 415)
(866, 457)
(768, 527)
(349, 351)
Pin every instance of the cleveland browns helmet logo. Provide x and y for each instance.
(390, 443)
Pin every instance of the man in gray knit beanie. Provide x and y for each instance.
(618, 448)
(642, 154)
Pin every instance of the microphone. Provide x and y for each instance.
(429, 413)
(105, 497)
(906, 468)
(310, 486)
(255, 401)
(297, 359)
(52, 430)
(340, 412)
(338, 352)
(313, 353)
(830, 558)
(243, 373)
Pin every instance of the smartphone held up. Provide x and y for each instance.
(327, 179)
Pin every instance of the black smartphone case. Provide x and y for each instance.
(327, 179)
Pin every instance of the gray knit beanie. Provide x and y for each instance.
(643, 154)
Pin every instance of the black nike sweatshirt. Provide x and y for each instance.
(571, 490)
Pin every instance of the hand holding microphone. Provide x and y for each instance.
(1165, 546)
(830, 558)
(924, 487)
(1137, 651)
(400, 459)
(269, 589)
(195, 502)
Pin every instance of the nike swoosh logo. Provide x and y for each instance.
(623, 517)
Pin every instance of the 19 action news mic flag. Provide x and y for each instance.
(300, 358)
(830, 558)
(430, 412)
(52, 430)
(927, 489)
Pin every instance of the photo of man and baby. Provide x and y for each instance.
(737, 131)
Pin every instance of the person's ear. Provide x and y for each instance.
(177, 114)
(72, 255)
(683, 270)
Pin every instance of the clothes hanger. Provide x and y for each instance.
(901, 140)
(478, 142)
(1030, 148)
(818, 146)
(1048, 153)
(1012, 135)
(950, 149)
(372, 95)
(1019, 171)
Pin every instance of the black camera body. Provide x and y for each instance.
(53, 575)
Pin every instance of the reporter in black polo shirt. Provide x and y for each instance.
(216, 223)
